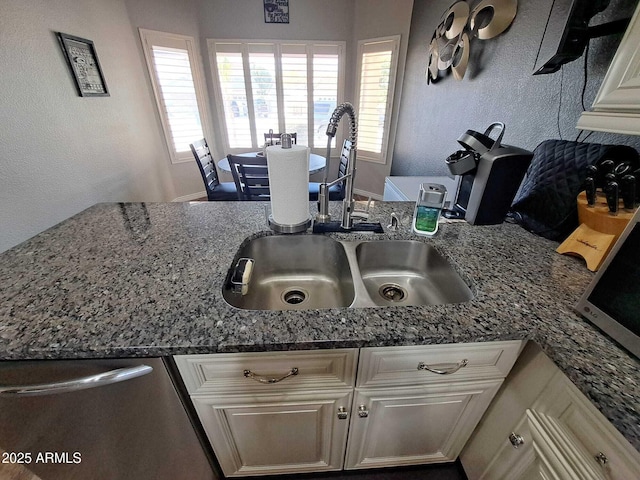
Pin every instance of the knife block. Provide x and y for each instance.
(597, 233)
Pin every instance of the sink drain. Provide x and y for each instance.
(294, 296)
(392, 292)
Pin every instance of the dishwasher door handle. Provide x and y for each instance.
(82, 383)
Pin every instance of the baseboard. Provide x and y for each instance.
(364, 193)
(191, 197)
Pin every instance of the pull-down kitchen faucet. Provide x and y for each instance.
(322, 222)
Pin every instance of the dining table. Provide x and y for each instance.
(317, 163)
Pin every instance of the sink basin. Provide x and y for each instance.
(397, 272)
(303, 272)
(297, 272)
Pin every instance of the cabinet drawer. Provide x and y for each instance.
(225, 372)
(389, 366)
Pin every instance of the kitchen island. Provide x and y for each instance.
(135, 280)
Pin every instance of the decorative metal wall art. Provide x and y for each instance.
(449, 47)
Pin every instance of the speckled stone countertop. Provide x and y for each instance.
(146, 280)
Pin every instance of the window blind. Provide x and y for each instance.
(282, 86)
(173, 70)
(378, 60)
(179, 90)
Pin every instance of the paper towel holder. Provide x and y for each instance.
(297, 228)
(285, 143)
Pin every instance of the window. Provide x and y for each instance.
(178, 88)
(377, 66)
(279, 86)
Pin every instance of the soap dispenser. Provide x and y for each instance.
(428, 207)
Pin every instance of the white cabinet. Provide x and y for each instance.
(415, 425)
(287, 432)
(617, 106)
(273, 412)
(557, 431)
(418, 405)
(306, 411)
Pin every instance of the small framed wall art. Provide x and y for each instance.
(85, 68)
(276, 11)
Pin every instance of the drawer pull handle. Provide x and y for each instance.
(342, 413)
(447, 371)
(262, 379)
(362, 411)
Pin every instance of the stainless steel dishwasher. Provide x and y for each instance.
(96, 419)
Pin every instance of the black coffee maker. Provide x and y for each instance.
(490, 173)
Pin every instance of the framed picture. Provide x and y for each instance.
(276, 11)
(85, 68)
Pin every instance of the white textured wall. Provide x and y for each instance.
(308, 20)
(171, 16)
(61, 153)
(373, 20)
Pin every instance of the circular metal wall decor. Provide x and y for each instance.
(449, 46)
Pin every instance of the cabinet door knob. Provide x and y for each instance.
(262, 379)
(445, 371)
(362, 411)
(602, 459)
(516, 440)
(342, 413)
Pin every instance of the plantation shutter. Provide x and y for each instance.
(378, 63)
(178, 89)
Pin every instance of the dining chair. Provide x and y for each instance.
(216, 190)
(274, 138)
(251, 177)
(337, 191)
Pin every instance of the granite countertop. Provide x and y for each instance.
(146, 280)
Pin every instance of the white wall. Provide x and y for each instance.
(244, 19)
(341, 20)
(374, 20)
(170, 16)
(61, 153)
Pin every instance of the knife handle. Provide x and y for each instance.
(628, 191)
(606, 166)
(611, 192)
(590, 190)
(593, 172)
(622, 169)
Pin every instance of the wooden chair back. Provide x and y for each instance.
(251, 176)
(216, 191)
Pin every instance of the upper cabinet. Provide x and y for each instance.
(617, 106)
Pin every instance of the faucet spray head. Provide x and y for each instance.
(337, 114)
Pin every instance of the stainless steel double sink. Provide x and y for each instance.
(303, 272)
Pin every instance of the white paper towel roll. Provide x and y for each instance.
(289, 183)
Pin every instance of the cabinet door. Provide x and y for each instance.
(561, 432)
(276, 433)
(617, 105)
(415, 425)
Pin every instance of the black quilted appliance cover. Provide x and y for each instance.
(546, 201)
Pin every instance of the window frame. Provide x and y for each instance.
(278, 47)
(394, 40)
(149, 38)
